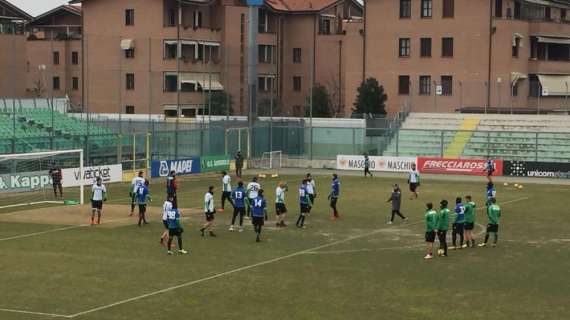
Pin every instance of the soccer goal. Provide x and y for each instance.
(271, 160)
(41, 177)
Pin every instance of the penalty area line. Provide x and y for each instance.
(45, 314)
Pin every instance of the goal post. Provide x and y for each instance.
(32, 178)
(272, 160)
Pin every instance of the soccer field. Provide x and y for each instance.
(54, 266)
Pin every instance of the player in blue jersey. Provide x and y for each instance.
(143, 196)
(490, 169)
(305, 204)
(238, 196)
(333, 196)
(258, 213)
(458, 224)
(491, 192)
(174, 230)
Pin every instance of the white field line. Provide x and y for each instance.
(53, 315)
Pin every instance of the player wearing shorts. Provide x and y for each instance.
(396, 199)
(469, 222)
(98, 196)
(226, 190)
(414, 182)
(491, 193)
(311, 189)
(258, 214)
(172, 188)
(304, 203)
(431, 225)
(137, 182)
(333, 196)
(252, 192)
(280, 207)
(493, 214)
(143, 196)
(166, 207)
(458, 224)
(490, 169)
(56, 177)
(367, 166)
(442, 227)
(238, 196)
(209, 212)
(174, 230)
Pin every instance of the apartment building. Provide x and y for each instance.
(53, 54)
(442, 55)
(139, 58)
(12, 47)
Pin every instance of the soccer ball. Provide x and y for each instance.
(516, 185)
(520, 186)
(506, 184)
(440, 252)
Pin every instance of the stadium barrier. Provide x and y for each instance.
(537, 169)
(473, 167)
(214, 163)
(161, 168)
(389, 164)
(107, 173)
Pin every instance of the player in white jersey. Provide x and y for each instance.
(166, 207)
(311, 190)
(209, 211)
(137, 182)
(226, 190)
(280, 208)
(252, 193)
(98, 195)
(414, 182)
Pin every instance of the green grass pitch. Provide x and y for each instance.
(354, 268)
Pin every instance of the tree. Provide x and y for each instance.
(264, 108)
(220, 102)
(38, 90)
(371, 98)
(322, 105)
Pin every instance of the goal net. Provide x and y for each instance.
(271, 160)
(41, 177)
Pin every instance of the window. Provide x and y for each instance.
(55, 57)
(404, 85)
(425, 47)
(130, 81)
(446, 85)
(498, 8)
(75, 83)
(297, 55)
(405, 9)
(426, 8)
(170, 82)
(425, 85)
(404, 47)
(130, 53)
(74, 57)
(130, 17)
(448, 8)
(170, 50)
(296, 83)
(263, 24)
(56, 84)
(324, 25)
(447, 47)
(562, 14)
(515, 89)
(130, 109)
(516, 45)
(266, 53)
(197, 23)
(265, 83)
(517, 10)
(171, 18)
(547, 15)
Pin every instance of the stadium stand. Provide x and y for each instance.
(509, 137)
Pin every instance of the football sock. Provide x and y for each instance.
(179, 243)
(486, 237)
(496, 238)
(169, 243)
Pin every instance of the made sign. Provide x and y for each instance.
(161, 168)
(24, 181)
(390, 164)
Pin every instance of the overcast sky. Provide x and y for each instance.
(37, 7)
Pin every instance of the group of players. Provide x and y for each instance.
(249, 203)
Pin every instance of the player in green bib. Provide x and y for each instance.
(493, 214)
(431, 226)
(469, 222)
(442, 227)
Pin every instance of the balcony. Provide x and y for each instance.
(550, 28)
(548, 66)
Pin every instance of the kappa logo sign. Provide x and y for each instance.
(182, 167)
(474, 167)
(391, 164)
(24, 181)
